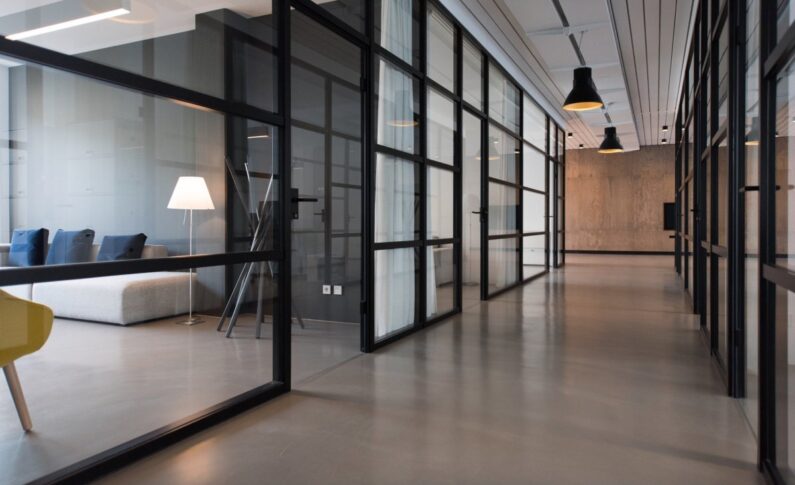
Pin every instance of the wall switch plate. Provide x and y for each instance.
(338, 290)
(326, 289)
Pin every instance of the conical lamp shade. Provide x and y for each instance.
(752, 137)
(583, 95)
(191, 193)
(611, 143)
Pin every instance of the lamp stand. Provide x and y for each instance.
(191, 320)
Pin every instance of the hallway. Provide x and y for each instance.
(596, 373)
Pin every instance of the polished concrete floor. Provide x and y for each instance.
(95, 386)
(594, 374)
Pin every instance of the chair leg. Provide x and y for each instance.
(16, 393)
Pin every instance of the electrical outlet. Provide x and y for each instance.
(338, 290)
(326, 289)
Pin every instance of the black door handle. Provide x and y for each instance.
(295, 199)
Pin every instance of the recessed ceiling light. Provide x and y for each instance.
(570, 135)
(65, 15)
(664, 141)
(665, 128)
(581, 145)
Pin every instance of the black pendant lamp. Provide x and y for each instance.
(583, 95)
(611, 143)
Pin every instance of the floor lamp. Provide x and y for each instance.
(191, 194)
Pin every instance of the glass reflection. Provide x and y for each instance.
(396, 199)
(440, 280)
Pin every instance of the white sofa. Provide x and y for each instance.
(120, 300)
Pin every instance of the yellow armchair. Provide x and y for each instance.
(24, 328)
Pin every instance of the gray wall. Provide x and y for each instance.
(615, 202)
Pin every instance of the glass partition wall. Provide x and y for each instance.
(460, 175)
(734, 127)
(261, 173)
(145, 164)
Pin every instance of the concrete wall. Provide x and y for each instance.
(615, 202)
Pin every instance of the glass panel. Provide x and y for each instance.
(786, 15)
(440, 280)
(706, 92)
(503, 99)
(533, 255)
(785, 383)
(690, 246)
(396, 289)
(534, 128)
(707, 288)
(503, 209)
(352, 12)
(88, 155)
(689, 195)
(397, 29)
(708, 208)
(560, 213)
(441, 49)
(440, 203)
(504, 153)
(723, 75)
(503, 261)
(108, 163)
(441, 128)
(471, 198)
(397, 98)
(326, 165)
(98, 385)
(169, 40)
(785, 172)
(533, 212)
(551, 195)
(533, 173)
(396, 199)
(473, 75)
(723, 194)
(723, 328)
(751, 400)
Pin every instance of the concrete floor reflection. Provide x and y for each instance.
(596, 373)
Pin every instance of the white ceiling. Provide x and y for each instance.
(636, 49)
(147, 19)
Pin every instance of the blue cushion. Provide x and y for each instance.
(116, 248)
(70, 247)
(28, 247)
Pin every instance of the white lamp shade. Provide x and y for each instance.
(191, 193)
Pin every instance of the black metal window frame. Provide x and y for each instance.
(557, 194)
(111, 459)
(775, 52)
(139, 447)
(369, 341)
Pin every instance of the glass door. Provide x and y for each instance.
(327, 178)
(472, 205)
